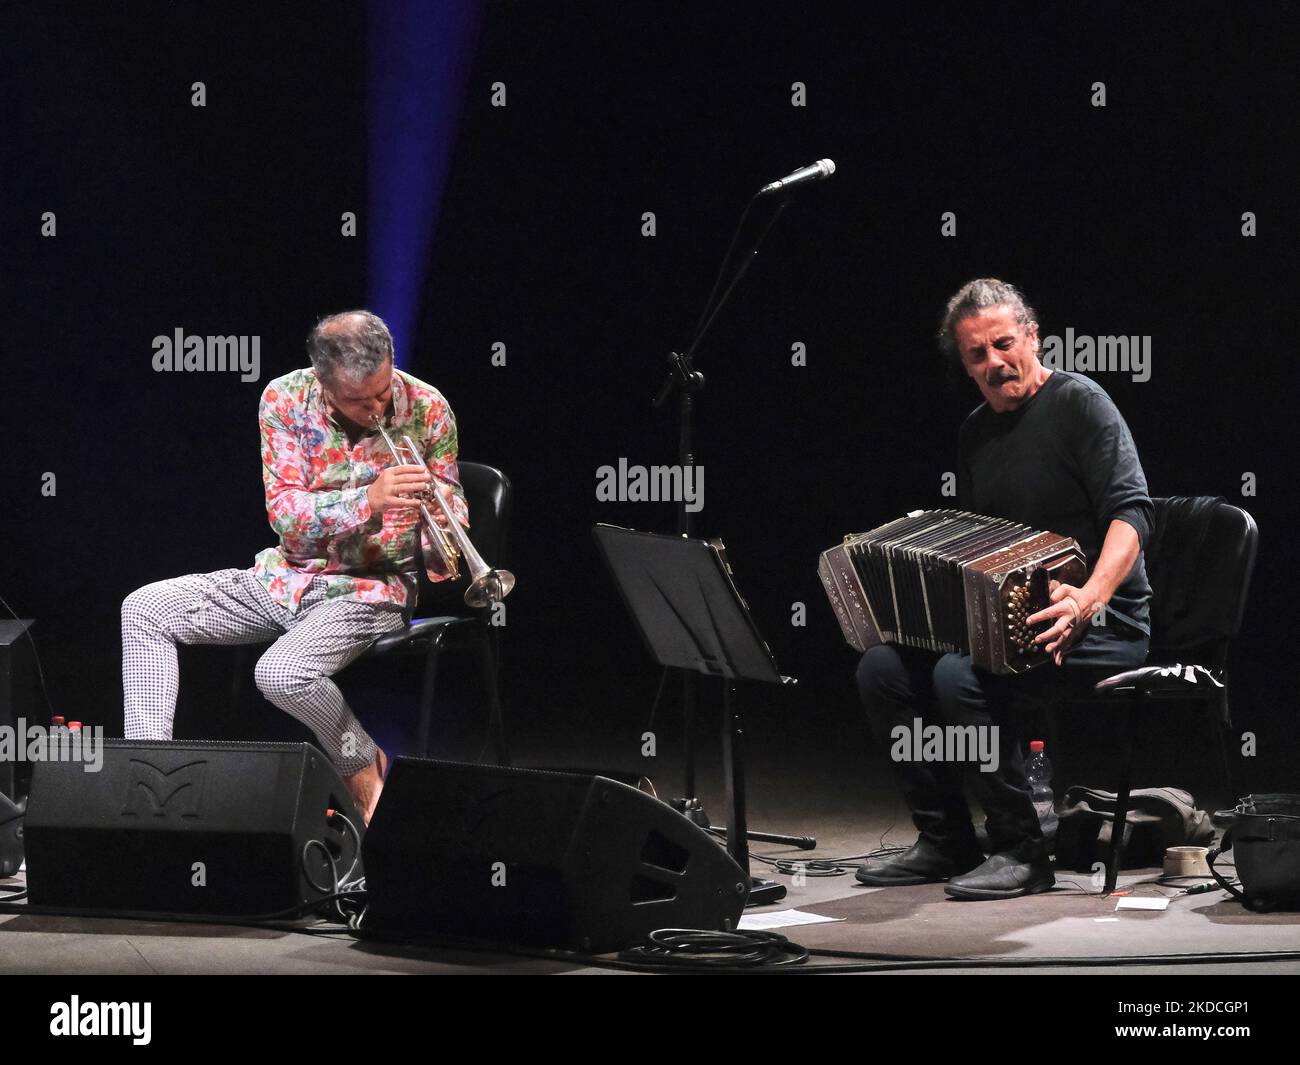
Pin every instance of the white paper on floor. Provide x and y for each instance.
(762, 922)
(1142, 902)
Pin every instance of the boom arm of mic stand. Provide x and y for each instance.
(681, 371)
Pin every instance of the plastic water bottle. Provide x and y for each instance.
(1038, 771)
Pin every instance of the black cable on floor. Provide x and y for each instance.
(279, 921)
(859, 962)
(687, 948)
(822, 866)
(811, 866)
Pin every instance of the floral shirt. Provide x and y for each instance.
(316, 482)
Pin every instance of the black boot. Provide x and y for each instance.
(926, 862)
(1009, 874)
(1019, 862)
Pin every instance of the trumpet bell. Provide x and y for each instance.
(490, 588)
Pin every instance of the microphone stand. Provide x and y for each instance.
(687, 381)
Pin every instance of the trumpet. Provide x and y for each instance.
(486, 585)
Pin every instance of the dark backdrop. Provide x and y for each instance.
(225, 220)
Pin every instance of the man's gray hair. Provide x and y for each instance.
(349, 346)
(975, 296)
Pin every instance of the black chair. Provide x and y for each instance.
(443, 622)
(1199, 560)
(446, 624)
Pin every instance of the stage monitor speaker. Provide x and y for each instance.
(200, 828)
(538, 858)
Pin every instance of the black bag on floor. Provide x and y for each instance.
(1265, 830)
(1158, 818)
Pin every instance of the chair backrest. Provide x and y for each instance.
(1199, 560)
(488, 492)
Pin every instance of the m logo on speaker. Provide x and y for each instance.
(161, 792)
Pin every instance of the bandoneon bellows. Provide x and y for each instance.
(946, 580)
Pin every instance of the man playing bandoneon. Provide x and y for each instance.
(1047, 449)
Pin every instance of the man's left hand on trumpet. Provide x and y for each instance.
(448, 494)
(425, 495)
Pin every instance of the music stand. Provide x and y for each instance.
(680, 593)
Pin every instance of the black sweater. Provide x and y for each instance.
(1064, 462)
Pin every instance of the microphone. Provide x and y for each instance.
(819, 171)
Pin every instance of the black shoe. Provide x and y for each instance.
(1004, 876)
(926, 862)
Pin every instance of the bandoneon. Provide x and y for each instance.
(946, 580)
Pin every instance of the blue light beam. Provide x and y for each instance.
(419, 62)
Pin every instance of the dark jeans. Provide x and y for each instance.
(898, 685)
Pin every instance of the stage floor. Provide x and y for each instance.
(851, 808)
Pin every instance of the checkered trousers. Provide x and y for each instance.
(231, 606)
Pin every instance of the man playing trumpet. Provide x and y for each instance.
(343, 574)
